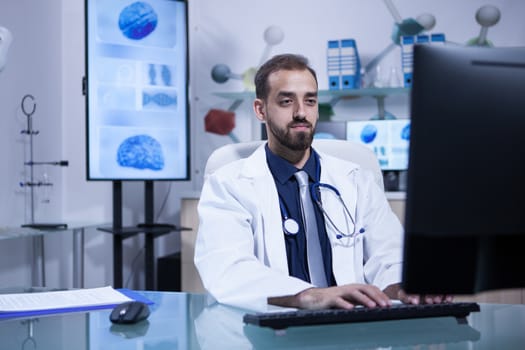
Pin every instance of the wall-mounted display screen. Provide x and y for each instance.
(389, 139)
(137, 88)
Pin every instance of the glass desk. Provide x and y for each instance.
(38, 258)
(184, 321)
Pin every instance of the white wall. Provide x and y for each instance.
(47, 60)
(33, 67)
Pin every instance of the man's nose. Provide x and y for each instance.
(300, 110)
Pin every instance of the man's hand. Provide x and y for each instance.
(396, 292)
(341, 297)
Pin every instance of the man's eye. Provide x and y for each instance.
(311, 101)
(286, 102)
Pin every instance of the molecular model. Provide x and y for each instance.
(486, 16)
(222, 122)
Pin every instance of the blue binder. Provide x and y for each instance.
(407, 51)
(350, 65)
(333, 63)
(437, 38)
(422, 39)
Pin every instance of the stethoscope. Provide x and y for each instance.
(291, 227)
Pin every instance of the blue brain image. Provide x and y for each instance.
(405, 133)
(137, 20)
(369, 133)
(140, 152)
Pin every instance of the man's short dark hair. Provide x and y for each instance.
(277, 63)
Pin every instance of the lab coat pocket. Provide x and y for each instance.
(347, 260)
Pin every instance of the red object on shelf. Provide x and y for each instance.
(219, 121)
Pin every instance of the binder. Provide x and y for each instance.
(437, 38)
(407, 51)
(422, 39)
(333, 63)
(407, 59)
(350, 65)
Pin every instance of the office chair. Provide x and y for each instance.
(347, 150)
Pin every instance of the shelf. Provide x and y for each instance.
(332, 97)
(350, 93)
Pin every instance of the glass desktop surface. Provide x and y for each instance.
(184, 321)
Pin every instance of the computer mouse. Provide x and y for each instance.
(129, 312)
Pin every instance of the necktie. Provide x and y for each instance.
(313, 247)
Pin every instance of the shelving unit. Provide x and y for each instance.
(334, 96)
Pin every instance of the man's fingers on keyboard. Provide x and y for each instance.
(341, 303)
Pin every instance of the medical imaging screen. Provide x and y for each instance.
(389, 139)
(136, 73)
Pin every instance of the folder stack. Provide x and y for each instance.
(343, 64)
(407, 51)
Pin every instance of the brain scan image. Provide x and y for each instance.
(369, 133)
(405, 133)
(140, 152)
(137, 20)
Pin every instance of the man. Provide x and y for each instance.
(244, 255)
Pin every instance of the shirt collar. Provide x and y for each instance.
(282, 170)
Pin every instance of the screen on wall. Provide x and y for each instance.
(137, 88)
(389, 139)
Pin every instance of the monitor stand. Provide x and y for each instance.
(149, 229)
(149, 205)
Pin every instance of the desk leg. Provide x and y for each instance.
(117, 261)
(149, 262)
(78, 258)
(38, 269)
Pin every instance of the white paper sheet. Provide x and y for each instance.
(76, 298)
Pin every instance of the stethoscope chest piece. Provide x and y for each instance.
(290, 226)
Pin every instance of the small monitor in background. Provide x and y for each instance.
(389, 139)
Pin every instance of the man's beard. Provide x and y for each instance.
(298, 141)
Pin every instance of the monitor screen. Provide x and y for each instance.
(464, 226)
(137, 88)
(389, 139)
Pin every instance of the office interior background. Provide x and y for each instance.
(47, 61)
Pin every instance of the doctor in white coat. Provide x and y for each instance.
(241, 253)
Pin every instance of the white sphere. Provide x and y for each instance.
(488, 15)
(273, 35)
(427, 20)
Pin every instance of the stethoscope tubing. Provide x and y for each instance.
(290, 225)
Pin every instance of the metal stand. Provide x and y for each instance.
(28, 106)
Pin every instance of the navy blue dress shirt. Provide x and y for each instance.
(288, 189)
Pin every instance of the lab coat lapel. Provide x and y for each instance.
(265, 192)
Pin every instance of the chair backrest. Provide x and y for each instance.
(347, 150)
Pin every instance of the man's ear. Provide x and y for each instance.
(258, 108)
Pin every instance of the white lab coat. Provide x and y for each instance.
(240, 249)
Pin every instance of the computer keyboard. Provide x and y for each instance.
(281, 320)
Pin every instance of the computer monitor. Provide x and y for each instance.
(388, 139)
(465, 198)
(136, 86)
